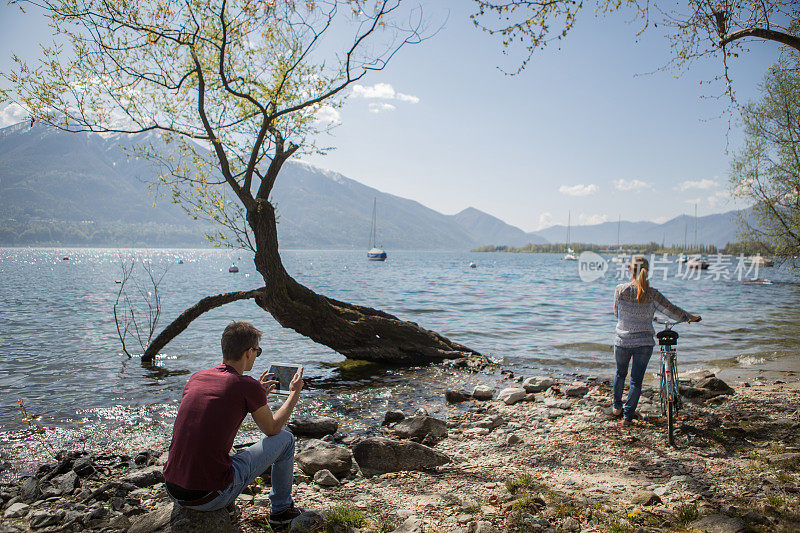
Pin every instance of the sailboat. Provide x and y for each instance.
(619, 258)
(375, 253)
(570, 255)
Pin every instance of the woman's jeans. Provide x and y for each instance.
(641, 356)
(248, 464)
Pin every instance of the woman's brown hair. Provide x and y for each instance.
(639, 271)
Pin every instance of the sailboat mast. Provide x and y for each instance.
(695, 225)
(569, 223)
(374, 221)
(619, 223)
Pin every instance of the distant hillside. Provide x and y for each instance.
(491, 230)
(85, 189)
(718, 229)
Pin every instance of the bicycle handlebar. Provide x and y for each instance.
(670, 324)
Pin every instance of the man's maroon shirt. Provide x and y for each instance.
(215, 402)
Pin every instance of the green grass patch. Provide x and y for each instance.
(528, 503)
(619, 526)
(776, 501)
(519, 484)
(686, 513)
(784, 477)
(344, 516)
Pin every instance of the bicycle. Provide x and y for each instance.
(670, 396)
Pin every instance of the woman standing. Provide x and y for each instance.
(635, 303)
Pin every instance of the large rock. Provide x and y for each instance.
(456, 396)
(313, 426)
(419, 428)
(172, 518)
(412, 524)
(511, 395)
(320, 455)
(29, 489)
(558, 404)
(68, 482)
(482, 392)
(16, 510)
(379, 455)
(40, 519)
(645, 497)
(146, 477)
(324, 478)
(308, 521)
(784, 458)
(576, 391)
(718, 523)
(537, 384)
(715, 385)
(392, 417)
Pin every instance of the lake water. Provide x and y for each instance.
(60, 354)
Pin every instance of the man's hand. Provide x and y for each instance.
(269, 384)
(297, 382)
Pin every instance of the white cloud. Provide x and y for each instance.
(697, 200)
(590, 220)
(704, 185)
(718, 198)
(579, 190)
(632, 185)
(327, 114)
(660, 220)
(382, 91)
(375, 107)
(11, 114)
(408, 98)
(545, 220)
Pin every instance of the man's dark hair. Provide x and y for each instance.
(237, 338)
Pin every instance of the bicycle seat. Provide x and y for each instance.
(667, 337)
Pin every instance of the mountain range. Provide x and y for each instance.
(87, 189)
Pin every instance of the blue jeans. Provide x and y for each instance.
(641, 356)
(248, 464)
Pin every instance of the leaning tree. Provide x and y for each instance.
(233, 88)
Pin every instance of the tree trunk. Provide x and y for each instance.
(354, 331)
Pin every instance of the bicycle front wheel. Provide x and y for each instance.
(671, 422)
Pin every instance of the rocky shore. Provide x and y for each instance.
(531, 455)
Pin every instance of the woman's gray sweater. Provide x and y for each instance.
(635, 324)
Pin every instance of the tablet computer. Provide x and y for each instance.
(283, 374)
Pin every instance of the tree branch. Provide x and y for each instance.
(182, 322)
(762, 33)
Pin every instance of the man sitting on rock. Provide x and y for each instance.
(200, 474)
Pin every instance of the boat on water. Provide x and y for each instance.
(760, 261)
(376, 253)
(683, 258)
(697, 263)
(233, 268)
(570, 255)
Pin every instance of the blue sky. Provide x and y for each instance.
(583, 129)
